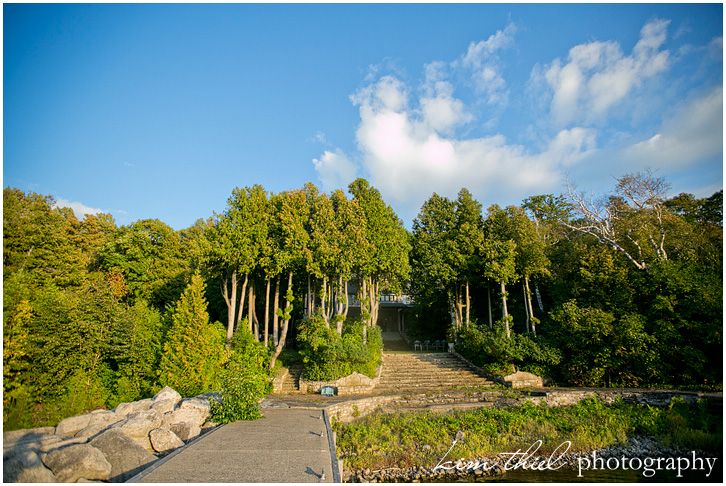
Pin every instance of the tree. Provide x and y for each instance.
(499, 260)
(292, 239)
(194, 351)
(150, 257)
(233, 247)
(386, 267)
(632, 220)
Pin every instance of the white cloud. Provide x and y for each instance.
(693, 133)
(483, 64)
(335, 170)
(598, 76)
(79, 209)
(408, 157)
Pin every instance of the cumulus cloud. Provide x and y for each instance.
(482, 61)
(408, 156)
(414, 140)
(693, 133)
(80, 210)
(597, 76)
(335, 170)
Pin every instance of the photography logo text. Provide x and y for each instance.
(530, 461)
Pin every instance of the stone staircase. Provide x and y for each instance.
(427, 373)
(291, 381)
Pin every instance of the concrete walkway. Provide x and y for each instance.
(288, 445)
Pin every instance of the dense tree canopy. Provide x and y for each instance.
(625, 290)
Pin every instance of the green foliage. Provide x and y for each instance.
(245, 380)
(194, 351)
(602, 349)
(329, 356)
(496, 354)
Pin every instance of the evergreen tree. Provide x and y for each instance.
(194, 351)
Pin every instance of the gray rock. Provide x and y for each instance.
(91, 430)
(124, 409)
(126, 456)
(201, 404)
(24, 466)
(72, 425)
(191, 415)
(186, 430)
(78, 461)
(163, 440)
(164, 406)
(139, 424)
(167, 393)
(24, 434)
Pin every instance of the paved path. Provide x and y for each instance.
(288, 445)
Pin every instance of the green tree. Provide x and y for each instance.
(499, 262)
(386, 267)
(194, 351)
(150, 256)
(233, 247)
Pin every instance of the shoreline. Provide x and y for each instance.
(640, 448)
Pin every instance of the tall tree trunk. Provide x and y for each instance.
(347, 301)
(489, 299)
(275, 317)
(267, 312)
(252, 312)
(529, 303)
(230, 298)
(324, 308)
(505, 313)
(285, 325)
(468, 304)
(242, 301)
(526, 307)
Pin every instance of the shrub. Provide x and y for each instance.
(328, 355)
(495, 353)
(245, 380)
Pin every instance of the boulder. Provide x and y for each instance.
(191, 415)
(78, 461)
(91, 430)
(26, 434)
(186, 430)
(72, 425)
(167, 393)
(164, 406)
(139, 424)
(126, 456)
(201, 404)
(24, 466)
(164, 440)
(124, 409)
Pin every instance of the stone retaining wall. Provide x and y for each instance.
(520, 379)
(353, 384)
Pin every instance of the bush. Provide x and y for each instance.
(328, 355)
(245, 380)
(491, 350)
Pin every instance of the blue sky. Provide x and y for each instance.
(159, 111)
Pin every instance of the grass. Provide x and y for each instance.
(398, 440)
